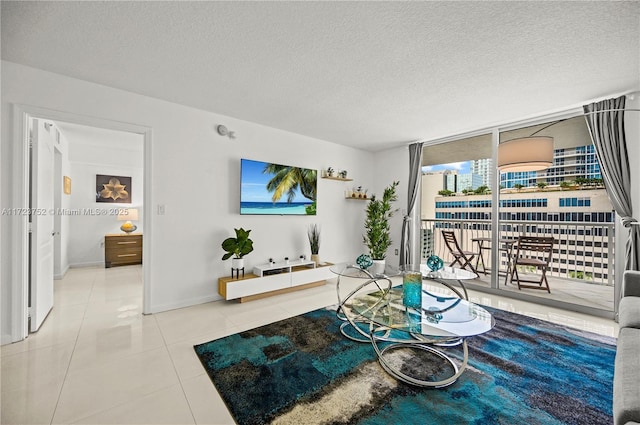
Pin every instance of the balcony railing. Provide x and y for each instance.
(584, 251)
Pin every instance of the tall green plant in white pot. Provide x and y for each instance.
(377, 235)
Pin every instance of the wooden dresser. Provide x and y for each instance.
(122, 249)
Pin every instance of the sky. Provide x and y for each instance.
(462, 167)
(254, 183)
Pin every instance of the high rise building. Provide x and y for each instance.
(450, 180)
(483, 168)
(468, 181)
(581, 221)
(432, 183)
(568, 165)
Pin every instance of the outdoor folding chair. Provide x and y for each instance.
(533, 251)
(461, 257)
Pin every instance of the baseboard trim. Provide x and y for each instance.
(5, 339)
(90, 264)
(184, 303)
(61, 275)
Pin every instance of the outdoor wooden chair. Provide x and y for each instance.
(461, 257)
(532, 251)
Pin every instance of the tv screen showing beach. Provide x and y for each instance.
(276, 189)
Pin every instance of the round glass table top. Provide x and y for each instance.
(353, 270)
(437, 316)
(445, 273)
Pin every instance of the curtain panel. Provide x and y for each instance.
(605, 121)
(409, 244)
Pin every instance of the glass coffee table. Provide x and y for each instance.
(445, 275)
(365, 279)
(443, 321)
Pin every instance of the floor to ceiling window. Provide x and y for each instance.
(464, 192)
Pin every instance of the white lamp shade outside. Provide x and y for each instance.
(525, 154)
(128, 214)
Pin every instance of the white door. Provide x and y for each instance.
(42, 241)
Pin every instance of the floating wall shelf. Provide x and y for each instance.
(337, 178)
(332, 174)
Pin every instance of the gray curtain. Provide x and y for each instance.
(411, 227)
(608, 135)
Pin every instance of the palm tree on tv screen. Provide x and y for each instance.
(286, 180)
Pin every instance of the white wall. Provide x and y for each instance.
(393, 165)
(195, 174)
(86, 242)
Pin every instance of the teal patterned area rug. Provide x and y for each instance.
(302, 370)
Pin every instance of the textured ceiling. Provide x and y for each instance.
(371, 75)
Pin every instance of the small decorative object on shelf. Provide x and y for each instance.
(271, 261)
(332, 174)
(364, 261)
(434, 263)
(286, 260)
(356, 193)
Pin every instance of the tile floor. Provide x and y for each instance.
(566, 290)
(97, 359)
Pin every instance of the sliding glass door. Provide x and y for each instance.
(488, 210)
(568, 203)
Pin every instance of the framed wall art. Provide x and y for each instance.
(66, 185)
(113, 189)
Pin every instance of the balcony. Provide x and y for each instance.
(581, 268)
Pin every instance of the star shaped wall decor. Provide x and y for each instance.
(114, 190)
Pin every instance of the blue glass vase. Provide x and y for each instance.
(412, 289)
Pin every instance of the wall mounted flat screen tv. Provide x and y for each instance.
(276, 189)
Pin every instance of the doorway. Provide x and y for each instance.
(23, 116)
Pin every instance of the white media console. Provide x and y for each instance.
(284, 266)
(274, 278)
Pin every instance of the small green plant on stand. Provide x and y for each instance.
(237, 248)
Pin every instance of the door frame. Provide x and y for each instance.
(20, 223)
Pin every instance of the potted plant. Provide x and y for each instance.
(237, 247)
(313, 233)
(377, 237)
